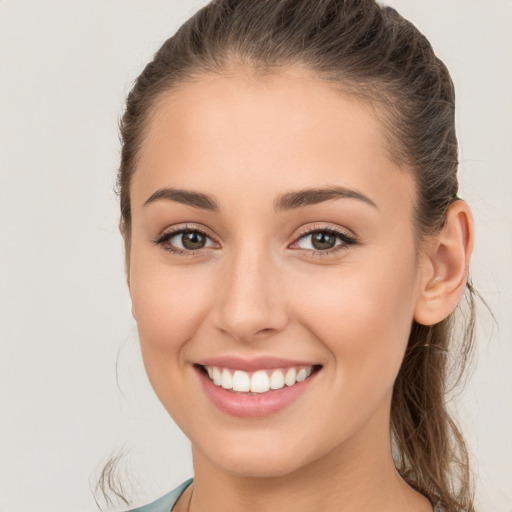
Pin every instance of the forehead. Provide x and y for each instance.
(280, 130)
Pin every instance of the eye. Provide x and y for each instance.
(188, 241)
(185, 240)
(323, 240)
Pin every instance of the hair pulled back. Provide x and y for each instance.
(363, 49)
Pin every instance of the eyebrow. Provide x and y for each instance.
(307, 197)
(284, 202)
(188, 197)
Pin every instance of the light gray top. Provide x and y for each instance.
(165, 503)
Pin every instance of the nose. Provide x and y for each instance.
(251, 301)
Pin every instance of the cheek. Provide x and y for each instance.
(363, 319)
(168, 304)
(363, 316)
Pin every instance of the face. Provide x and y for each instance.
(271, 234)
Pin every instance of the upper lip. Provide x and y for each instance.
(253, 364)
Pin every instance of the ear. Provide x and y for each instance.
(446, 266)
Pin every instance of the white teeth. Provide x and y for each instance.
(241, 381)
(227, 379)
(300, 376)
(290, 378)
(277, 379)
(217, 377)
(260, 383)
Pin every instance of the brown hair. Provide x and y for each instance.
(364, 49)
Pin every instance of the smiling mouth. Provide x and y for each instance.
(258, 382)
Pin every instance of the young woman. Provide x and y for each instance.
(295, 251)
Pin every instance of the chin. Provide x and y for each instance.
(261, 458)
(261, 467)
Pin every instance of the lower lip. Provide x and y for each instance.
(253, 406)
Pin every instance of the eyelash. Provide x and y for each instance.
(346, 240)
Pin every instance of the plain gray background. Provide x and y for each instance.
(64, 309)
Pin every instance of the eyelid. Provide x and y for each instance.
(308, 230)
(180, 228)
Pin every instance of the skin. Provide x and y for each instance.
(258, 289)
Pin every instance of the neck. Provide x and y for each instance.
(357, 476)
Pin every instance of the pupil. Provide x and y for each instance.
(323, 240)
(193, 240)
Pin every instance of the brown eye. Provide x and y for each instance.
(193, 240)
(323, 240)
(185, 241)
(320, 240)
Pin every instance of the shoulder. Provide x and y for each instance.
(165, 503)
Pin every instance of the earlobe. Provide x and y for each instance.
(446, 267)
